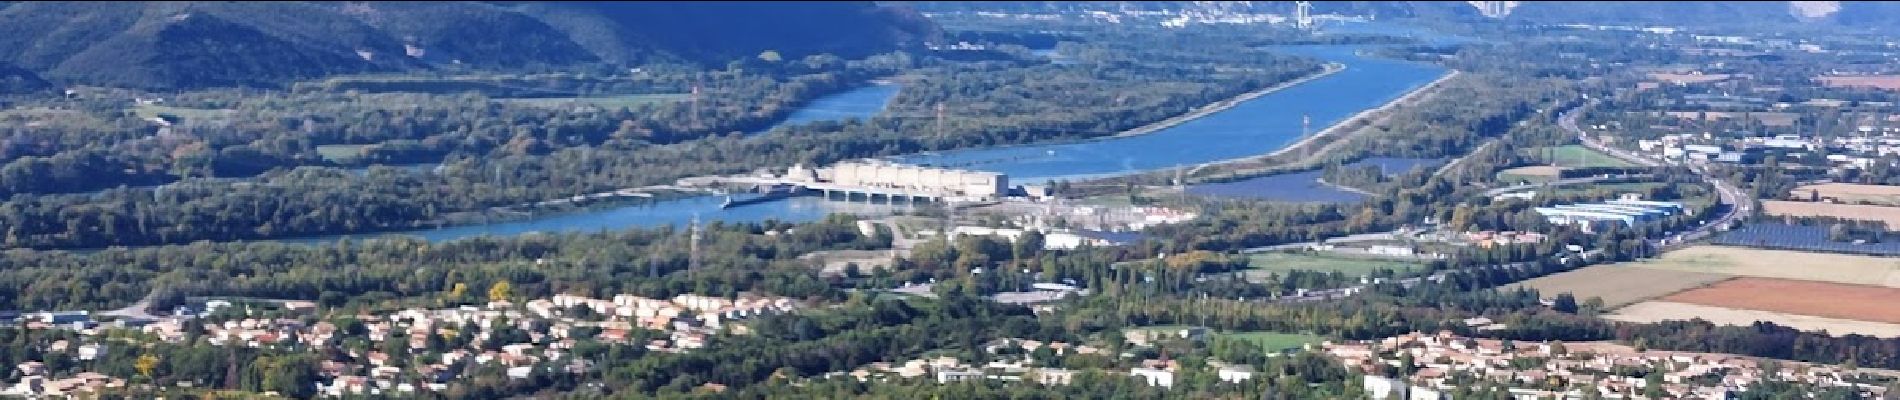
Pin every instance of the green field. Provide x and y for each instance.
(1275, 341)
(1574, 156)
(339, 152)
(150, 110)
(1263, 263)
(1531, 174)
(631, 100)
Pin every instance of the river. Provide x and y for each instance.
(861, 103)
(1304, 186)
(1253, 127)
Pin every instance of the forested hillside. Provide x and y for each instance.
(1853, 14)
(179, 45)
(16, 80)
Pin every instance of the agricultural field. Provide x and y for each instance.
(1574, 156)
(1681, 79)
(1532, 174)
(835, 262)
(1261, 264)
(148, 111)
(1888, 82)
(1881, 195)
(1820, 299)
(1890, 215)
(1746, 262)
(1737, 286)
(608, 102)
(1275, 341)
(1619, 284)
(340, 152)
(1657, 311)
(48, 117)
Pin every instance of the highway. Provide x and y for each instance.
(1740, 203)
(1561, 182)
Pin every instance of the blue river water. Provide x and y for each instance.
(672, 212)
(861, 103)
(1253, 127)
(1304, 186)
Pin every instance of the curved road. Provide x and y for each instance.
(1562, 182)
(1740, 203)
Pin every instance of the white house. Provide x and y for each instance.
(1154, 377)
(1236, 373)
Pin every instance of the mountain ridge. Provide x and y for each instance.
(1855, 14)
(182, 45)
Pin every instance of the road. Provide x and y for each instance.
(1363, 237)
(1740, 203)
(1561, 182)
(136, 310)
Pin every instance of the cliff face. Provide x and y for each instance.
(199, 44)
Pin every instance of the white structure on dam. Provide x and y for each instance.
(875, 177)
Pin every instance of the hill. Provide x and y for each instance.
(174, 45)
(1852, 14)
(19, 80)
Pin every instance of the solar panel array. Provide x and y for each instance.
(1798, 237)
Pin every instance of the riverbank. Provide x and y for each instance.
(1335, 129)
(1224, 105)
(1343, 188)
(1407, 98)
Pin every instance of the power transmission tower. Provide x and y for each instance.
(692, 245)
(1306, 125)
(939, 123)
(1180, 182)
(695, 107)
(949, 218)
(1303, 14)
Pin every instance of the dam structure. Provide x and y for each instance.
(873, 179)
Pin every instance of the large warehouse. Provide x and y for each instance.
(1596, 216)
(880, 174)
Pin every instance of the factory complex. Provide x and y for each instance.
(1624, 212)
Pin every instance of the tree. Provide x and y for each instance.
(1460, 218)
(291, 376)
(146, 364)
(1591, 307)
(1565, 303)
(499, 292)
(1652, 385)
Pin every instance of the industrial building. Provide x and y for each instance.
(873, 176)
(1625, 212)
